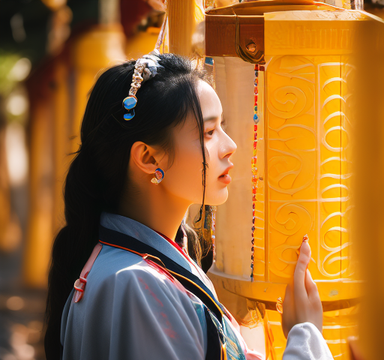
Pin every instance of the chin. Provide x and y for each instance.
(218, 199)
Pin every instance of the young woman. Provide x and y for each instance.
(137, 293)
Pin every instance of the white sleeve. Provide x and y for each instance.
(305, 342)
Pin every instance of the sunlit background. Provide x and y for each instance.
(50, 53)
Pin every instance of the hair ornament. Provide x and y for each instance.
(145, 69)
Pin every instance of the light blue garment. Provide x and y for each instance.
(130, 310)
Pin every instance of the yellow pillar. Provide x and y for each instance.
(5, 204)
(61, 144)
(142, 43)
(181, 24)
(39, 232)
(368, 151)
(98, 48)
(50, 130)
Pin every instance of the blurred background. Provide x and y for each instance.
(50, 53)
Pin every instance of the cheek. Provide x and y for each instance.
(216, 191)
(184, 178)
(213, 170)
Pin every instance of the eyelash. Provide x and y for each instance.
(223, 123)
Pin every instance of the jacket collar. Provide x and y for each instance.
(150, 237)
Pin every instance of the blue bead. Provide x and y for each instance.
(129, 102)
(130, 115)
(209, 60)
(255, 117)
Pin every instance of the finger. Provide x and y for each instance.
(302, 262)
(288, 294)
(288, 311)
(300, 270)
(311, 287)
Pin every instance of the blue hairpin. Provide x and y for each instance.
(129, 103)
(145, 69)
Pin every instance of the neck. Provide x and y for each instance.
(154, 208)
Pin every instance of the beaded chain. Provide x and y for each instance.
(254, 168)
(210, 227)
(213, 232)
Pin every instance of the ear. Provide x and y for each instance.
(147, 158)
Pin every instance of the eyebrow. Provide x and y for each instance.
(213, 118)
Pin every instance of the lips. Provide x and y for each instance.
(227, 170)
(224, 177)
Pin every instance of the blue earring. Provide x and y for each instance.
(159, 176)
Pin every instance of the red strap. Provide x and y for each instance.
(178, 247)
(80, 283)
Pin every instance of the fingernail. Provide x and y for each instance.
(305, 238)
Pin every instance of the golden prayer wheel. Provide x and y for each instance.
(304, 101)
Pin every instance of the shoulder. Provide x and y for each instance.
(134, 284)
(126, 271)
(140, 308)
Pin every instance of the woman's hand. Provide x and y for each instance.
(302, 301)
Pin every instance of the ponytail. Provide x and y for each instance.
(72, 246)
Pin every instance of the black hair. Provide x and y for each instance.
(97, 175)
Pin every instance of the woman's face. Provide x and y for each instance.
(184, 178)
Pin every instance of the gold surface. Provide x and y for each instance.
(304, 164)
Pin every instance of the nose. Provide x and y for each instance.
(229, 146)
